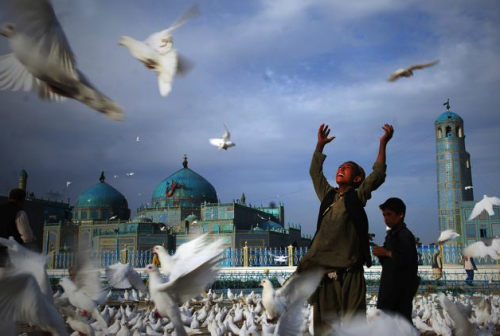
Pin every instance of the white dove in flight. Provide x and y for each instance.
(296, 289)
(408, 72)
(447, 235)
(157, 52)
(124, 276)
(42, 60)
(279, 258)
(480, 249)
(188, 256)
(225, 142)
(487, 204)
(86, 292)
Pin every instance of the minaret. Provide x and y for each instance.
(23, 179)
(454, 178)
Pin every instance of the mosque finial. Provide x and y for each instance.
(185, 163)
(102, 178)
(447, 104)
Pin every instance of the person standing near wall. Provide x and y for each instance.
(470, 267)
(437, 265)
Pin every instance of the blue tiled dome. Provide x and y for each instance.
(184, 187)
(448, 116)
(101, 195)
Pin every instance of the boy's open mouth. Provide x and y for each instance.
(340, 174)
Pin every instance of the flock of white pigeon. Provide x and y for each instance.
(175, 301)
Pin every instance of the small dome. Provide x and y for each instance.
(184, 187)
(448, 116)
(101, 195)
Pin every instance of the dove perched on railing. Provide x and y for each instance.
(42, 60)
(157, 52)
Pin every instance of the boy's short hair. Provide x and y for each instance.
(17, 194)
(395, 204)
(359, 171)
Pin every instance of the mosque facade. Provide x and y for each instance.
(182, 204)
(454, 184)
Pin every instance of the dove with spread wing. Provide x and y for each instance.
(225, 142)
(42, 60)
(486, 204)
(480, 249)
(124, 276)
(447, 235)
(408, 72)
(157, 52)
(296, 289)
(86, 293)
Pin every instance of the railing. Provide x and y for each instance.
(258, 257)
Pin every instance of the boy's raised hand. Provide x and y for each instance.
(389, 131)
(323, 138)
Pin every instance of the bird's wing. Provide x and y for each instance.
(281, 280)
(290, 322)
(226, 135)
(300, 285)
(423, 66)
(495, 200)
(117, 275)
(135, 279)
(393, 77)
(478, 208)
(14, 76)
(158, 40)
(167, 71)
(22, 301)
(191, 283)
(217, 142)
(462, 326)
(38, 20)
(88, 277)
(476, 250)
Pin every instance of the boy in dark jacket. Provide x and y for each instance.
(399, 261)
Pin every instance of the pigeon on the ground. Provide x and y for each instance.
(42, 60)
(447, 235)
(157, 52)
(408, 72)
(225, 142)
(124, 276)
(480, 249)
(297, 289)
(486, 204)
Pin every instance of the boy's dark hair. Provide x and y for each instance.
(395, 204)
(17, 194)
(359, 171)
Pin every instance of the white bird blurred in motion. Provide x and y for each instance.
(137, 139)
(157, 52)
(480, 249)
(130, 174)
(225, 142)
(124, 276)
(42, 60)
(279, 258)
(297, 289)
(408, 72)
(447, 235)
(486, 204)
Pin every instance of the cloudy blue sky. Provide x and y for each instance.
(273, 71)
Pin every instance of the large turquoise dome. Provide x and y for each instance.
(448, 116)
(184, 187)
(101, 201)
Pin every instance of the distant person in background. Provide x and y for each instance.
(398, 256)
(14, 222)
(470, 267)
(437, 265)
